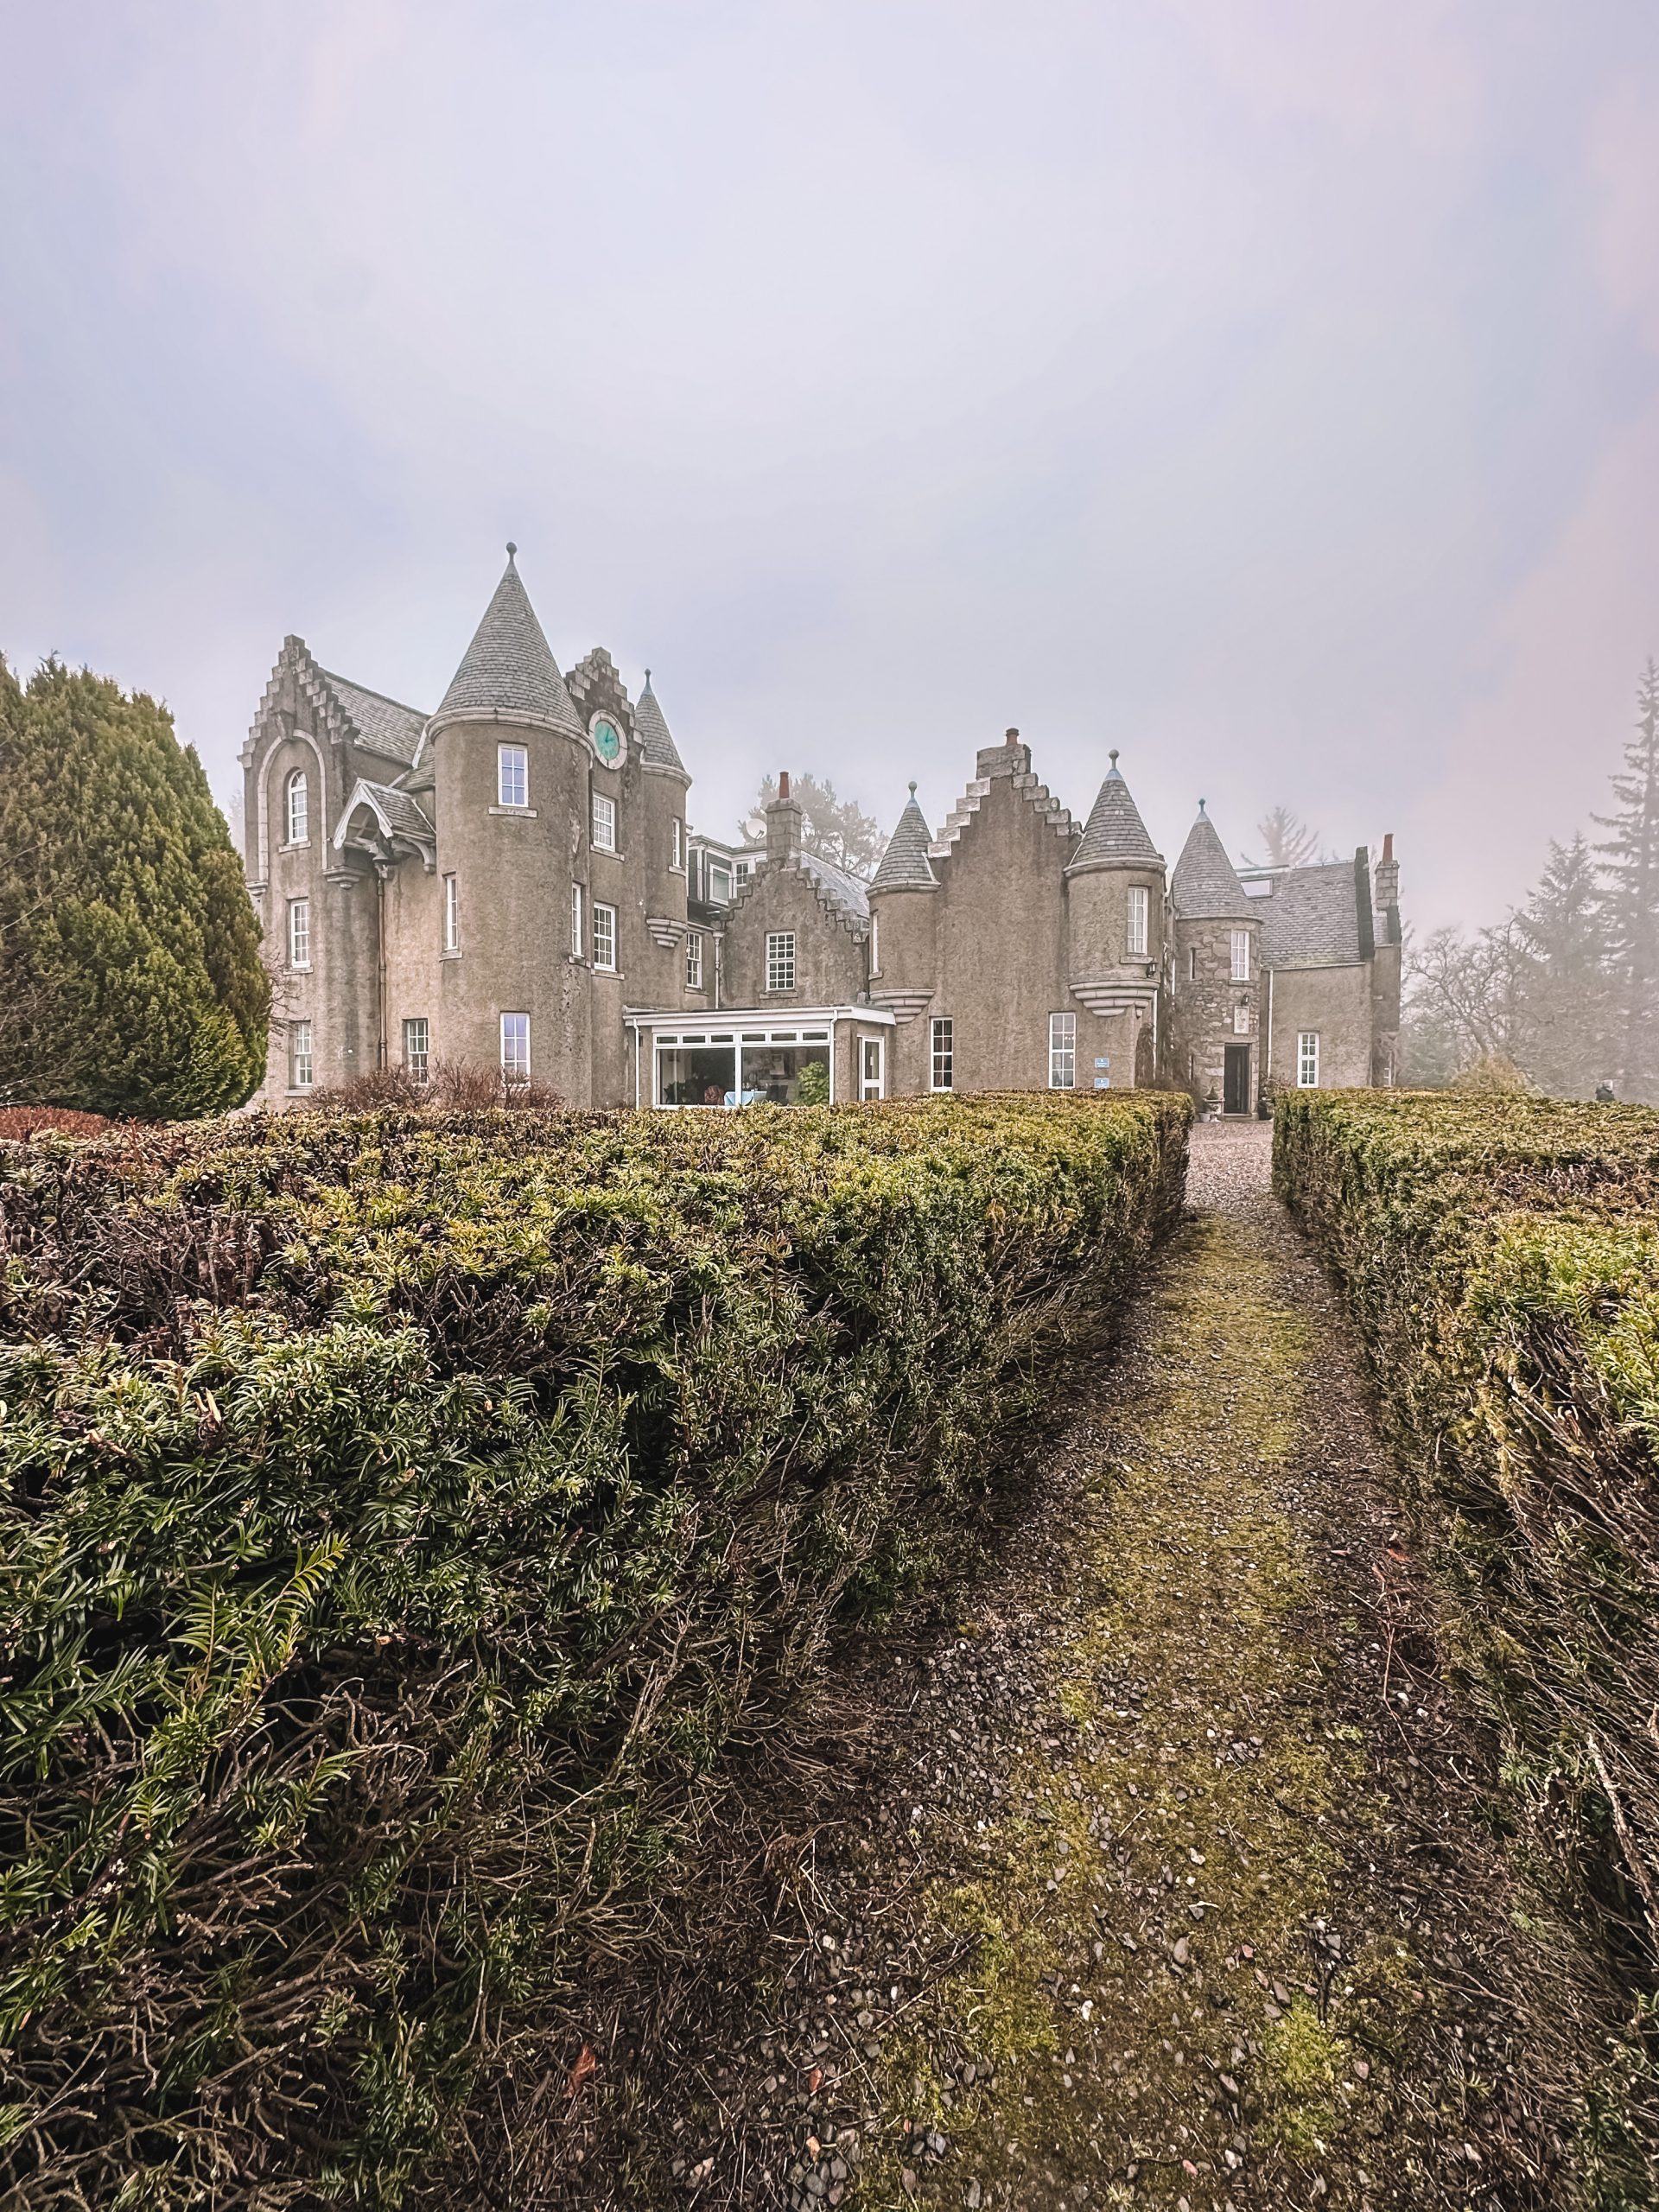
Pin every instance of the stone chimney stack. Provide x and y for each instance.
(1386, 894)
(1008, 758)
(784, 823)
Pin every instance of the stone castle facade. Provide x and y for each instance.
(512, 881)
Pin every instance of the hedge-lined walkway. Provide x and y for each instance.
(1166, 1880)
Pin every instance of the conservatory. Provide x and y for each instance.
(747, 1056)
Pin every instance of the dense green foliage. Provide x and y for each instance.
(131, 981)
(400, 1515)
(1501, 1257)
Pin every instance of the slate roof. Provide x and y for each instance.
(904, 864)
(384, 725)
(1206, 886)
(509, 668)
(849, 891)
(1114, 836)
(651, 726)
(1312, 918)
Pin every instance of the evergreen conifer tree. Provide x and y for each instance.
(1630, 871)
(1562, 931)
(131, 981)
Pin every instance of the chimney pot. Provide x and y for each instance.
(783, 783)
(1011, 737)
(1387, 845)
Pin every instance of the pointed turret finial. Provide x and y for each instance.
(912, 787)
(647, 679)
(512, 549)
(1200, 806)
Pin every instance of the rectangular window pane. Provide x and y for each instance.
(719, 884)
(299, 1055)
(1062, 1052)
(780, 960)
(869, 1067)
(604, 823)
(944, 1055)
(416, 1047)
(1137, 931)
(693, 961)
(512, 775)
(515, 1047)
(604, 936)
(699, 1075)
(785, 1075)
(451, 915)
(677, 844)
(1241, 955)
(1308, 1059)
(578, 937)
(299, 932)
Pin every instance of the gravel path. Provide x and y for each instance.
(1156, 1875)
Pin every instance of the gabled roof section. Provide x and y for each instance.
(1205, 885)
(656, 746)
(397, 812)
(904, 864)
(508, 671)
(379, 724)
(844, 889)
(1311, 919)
(1114, 836)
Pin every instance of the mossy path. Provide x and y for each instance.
(1171, 1884)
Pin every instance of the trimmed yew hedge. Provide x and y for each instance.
(400, 1515)
(1501, 1256)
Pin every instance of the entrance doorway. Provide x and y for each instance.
(1236, 1080)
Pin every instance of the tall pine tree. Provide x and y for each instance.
(131, 981)
(1565, 1039)
(1630, 870)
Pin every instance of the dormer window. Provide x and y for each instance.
(512, 775)
(297, 809)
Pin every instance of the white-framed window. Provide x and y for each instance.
(417, 1046)
(604, 823)
(1062, 1052)
(1308, 1059)
(743, 869)
(1241, 1021)
(869, 1067)
(512, 775)
(299, 1055)
(604, 936)
(676, 843)
(719, 884)
(451, 914)
(876, 944)
(1241, 955)
(694, 961)
(944, 1054)
(296, 808)
(578, 934)
(1135, 939)
(780, 960)
(515, 1047)
(299, 932)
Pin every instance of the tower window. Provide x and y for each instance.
(1135, 935)
(944, 1055)
(578, 937)
(299, 932)
(451, 915)
(605, 937)
(1062, 1052)
(604, 823)
(418, 1047)
(780, 960)
(1241, 955)
(1192, 963)
(512, 775)
(296, 805)
(515, 1047)
(676, 843)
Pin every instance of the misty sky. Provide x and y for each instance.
(1269, 388)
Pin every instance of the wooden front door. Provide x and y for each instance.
(1236, 1080)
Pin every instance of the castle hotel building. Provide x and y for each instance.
(511, 881)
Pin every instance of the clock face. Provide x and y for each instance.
(606, 742)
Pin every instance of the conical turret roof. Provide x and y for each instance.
(1114, 836)
(656, 740)
(1205, 885)
(905, 865)
(509, 669)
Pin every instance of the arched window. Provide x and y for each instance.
(297, 802)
